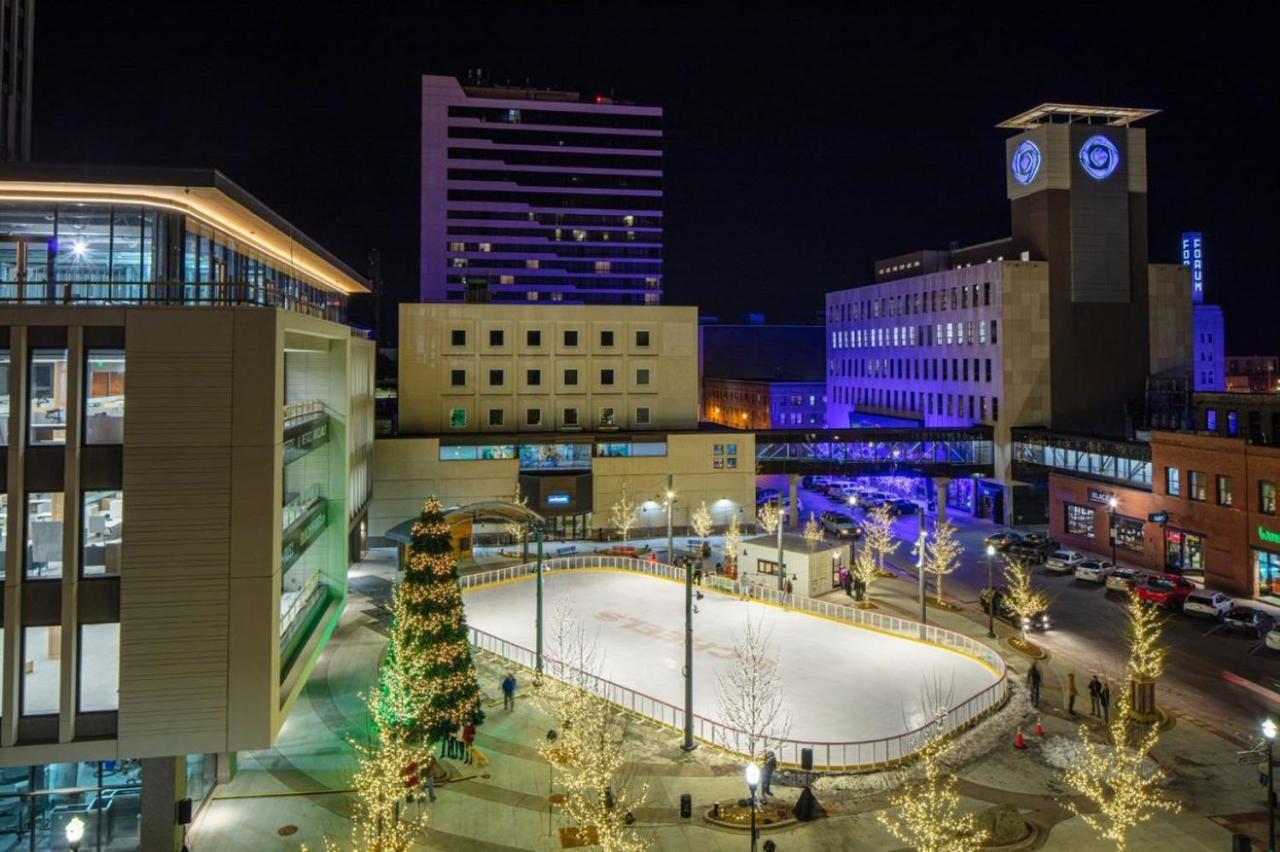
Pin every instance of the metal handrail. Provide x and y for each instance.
(855, 755)
(204, 293)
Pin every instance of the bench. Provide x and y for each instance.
(566, 550)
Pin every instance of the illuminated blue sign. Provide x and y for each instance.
(557, 499)
(1026, 162)
(1193, 256)
(1099, 157)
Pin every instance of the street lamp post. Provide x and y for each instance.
(1269, 732)
(753, 781)
(1112, 502)
(538, 570)
(688, 744)
(671, 500)
(991, 587)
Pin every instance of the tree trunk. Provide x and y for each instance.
(1142, 700)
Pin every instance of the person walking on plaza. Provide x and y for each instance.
(787, 599)
(1071, 693)
(468, 741)
(1095, 696)
(766, 774)
(431, 778)
(1033, 683)
(509, 691)
(1104, 698)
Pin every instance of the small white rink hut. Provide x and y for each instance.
(811, 566)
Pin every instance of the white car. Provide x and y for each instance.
(1205, 602)
(1063, 561)
(1124, 580)
(1273, 639)
(1094, 570)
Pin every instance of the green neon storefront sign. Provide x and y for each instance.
(1267, 535)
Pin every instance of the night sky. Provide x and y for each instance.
(800, 146)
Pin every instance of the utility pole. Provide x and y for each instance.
(538, 581)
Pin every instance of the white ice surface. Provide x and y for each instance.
(844, 683)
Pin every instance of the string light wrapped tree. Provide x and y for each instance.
(518, 530)
(623, 513)
(769, 516)
(1124, 789)
(1024, 601)
(877, 534)
(432, 632)
(380, 820)
(732, 544)
(1146, 658)
(812, 532)
(702, 524)
(942, 554)
(866, 572)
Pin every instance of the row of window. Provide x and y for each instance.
(533, 337)
(923, 402)
(533, 377)
(101, 534)
(608, 416)
(98, 681)
(913, 368)
(1197, 489)
(948, 334)
(47, 397)
(905, 304)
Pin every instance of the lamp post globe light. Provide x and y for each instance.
(1269, 732)
(991, 587)
(753, 781)
(74, 832)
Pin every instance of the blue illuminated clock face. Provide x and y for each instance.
(1099, 157)
(1026, 162)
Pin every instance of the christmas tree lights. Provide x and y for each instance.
(877, 534)
(1024, 601)
(942, 553)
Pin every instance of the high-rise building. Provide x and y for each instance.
(536, 195)
(1209, 373)
(168, 343)
(1060, 324)
(17, 26)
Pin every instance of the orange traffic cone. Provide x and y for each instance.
(1039, 728)
(1019, 741)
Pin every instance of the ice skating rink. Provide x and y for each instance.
(844, 683)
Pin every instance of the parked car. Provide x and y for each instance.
(1039, 621)
(1004, 540)
(1063, 561)
(1165, 590)
(1094, 570)
(1248, 619)
(1124, 580)
(1273, 639)
(898, 508)
(1032, 549)
(841, 524)
(1039, 541)
(1205, 602)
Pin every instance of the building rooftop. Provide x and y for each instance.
(1073, 113)
(205, 194)
(793, 543)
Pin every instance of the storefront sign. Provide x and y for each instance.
(1158, 517)
(557, 499)
(1102, 497)
(1269, 536)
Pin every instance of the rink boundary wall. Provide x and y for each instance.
(853, 756)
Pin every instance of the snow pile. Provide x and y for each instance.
(1068, 752)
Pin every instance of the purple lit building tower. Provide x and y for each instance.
(533, 195)
(1208, 325)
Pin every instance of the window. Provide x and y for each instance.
(458, 337)
(986, 293)
(1224, 490)
(4, 397)
(1233, 423)
(570, 337)
(1079, 520)
(496, 378)
(765, 566)
(642, 416)
(642, 376)
(571, 377)
(1266, 497)
(995, 337)
(607, 417)
(533, 337)
(571, 417)
(606, 338)
(606, 377)
(533, 377)
(44, 535)
(495, 337)
(458, 378)
(1196, 481)
(101, 527)
(48, 399)
(41, 670)
(99, 668)
(533, 417)
(495, 417)
(995, 409)
(1211, 420)
(1172, 482)
(642, 338)
(988, 369)
(457, 418)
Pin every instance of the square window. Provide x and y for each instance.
(642, 376)
(570, 337)
(495, 417)
(606, 338)
(457, 418)
(533, 377)
(533, 337)
(642, 416)
(606, 377)
(571, 377)
(533, 416)
(495, 337)
(496, 378)
(607, 417)
(571, 417)
(642, 338)
(458, 337)
(458, 378)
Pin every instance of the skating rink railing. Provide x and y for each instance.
(858, 755)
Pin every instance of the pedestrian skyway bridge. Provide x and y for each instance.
(937, 451)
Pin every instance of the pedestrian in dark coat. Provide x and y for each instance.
(1071, 693)
(468, 740)
(1104, 698)
(766, 774)
(509, 692)
(1095, 696)
(1033, 683)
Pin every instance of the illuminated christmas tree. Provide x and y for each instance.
(431, 648)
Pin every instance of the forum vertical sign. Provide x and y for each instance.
(1193, 256)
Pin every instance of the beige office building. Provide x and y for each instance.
(173, 351)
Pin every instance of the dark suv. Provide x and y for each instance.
(1039, 621)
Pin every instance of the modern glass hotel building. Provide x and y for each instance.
(167, 343)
